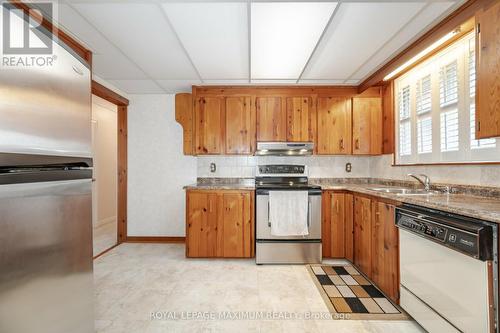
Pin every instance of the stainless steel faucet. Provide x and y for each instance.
(426, 182)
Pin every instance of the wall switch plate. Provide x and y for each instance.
(348, 167)
(213, 167)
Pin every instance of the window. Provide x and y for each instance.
(435, 113)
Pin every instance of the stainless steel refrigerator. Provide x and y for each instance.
(46, 282)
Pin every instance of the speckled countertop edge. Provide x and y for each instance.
(475, 206)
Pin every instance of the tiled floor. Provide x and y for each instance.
(134, 280)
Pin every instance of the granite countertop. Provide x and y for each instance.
(480, 207)
(476, 202)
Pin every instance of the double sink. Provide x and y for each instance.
(403, 191)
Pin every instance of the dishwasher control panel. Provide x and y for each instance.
(460, 235)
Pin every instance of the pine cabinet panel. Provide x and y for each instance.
(488, 71)
(362, 234)
(334, 125)
(385, 249)
(240, 125)
(209, 115)
(349, 226)
(367, 126)
(220, 224)
(271, 119)
(301, 120)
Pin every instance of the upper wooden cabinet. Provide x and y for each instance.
(367, 126)
(334, 125)
(220, 224)
(271, 119)
(488, 71)
(301, 120)
(209, 125)
(240, 125)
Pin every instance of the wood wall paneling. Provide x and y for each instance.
(184, 116)
(271, 119)
(209, 129)
(334, 134)
(240, 125)
(488, 71)
(388, 118)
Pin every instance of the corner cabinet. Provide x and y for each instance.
(220, 224)
(488, 71)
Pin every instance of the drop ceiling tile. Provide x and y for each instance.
(215, 35)
(138, 86)
(177, 86)
(107, 61)
(432, 13)
(357, 31)
(142, 32)
(283, 36)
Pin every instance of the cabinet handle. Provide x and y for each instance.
(342, 144)
(356, 143)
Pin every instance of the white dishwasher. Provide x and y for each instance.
(449, 270)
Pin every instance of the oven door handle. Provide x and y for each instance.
(309, 212)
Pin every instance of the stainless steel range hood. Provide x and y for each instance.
(284, 148)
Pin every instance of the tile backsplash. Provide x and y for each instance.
(319, 166)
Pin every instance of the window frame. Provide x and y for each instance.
(460, 51)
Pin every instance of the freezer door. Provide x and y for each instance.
(46, 110)
(46, 280)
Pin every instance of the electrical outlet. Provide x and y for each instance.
(213, 167)
(348, 167)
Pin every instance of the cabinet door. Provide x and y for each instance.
(488, 71)
(362, 234)
(202, 220)
(349, 226)
(367, 126)
(326, 224)
(271, 119)
(209, 136)
(240, 125)
(301, 122)
(237, 230)
(334, 125)
(385, 263)
(338, 225)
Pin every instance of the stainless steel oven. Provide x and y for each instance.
(272, 249)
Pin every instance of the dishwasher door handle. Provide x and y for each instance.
(309, 213)
(268, 214)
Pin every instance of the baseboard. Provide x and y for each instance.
(154, 239)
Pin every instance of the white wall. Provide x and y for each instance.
(157, 168)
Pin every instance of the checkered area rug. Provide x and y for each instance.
(347, 292)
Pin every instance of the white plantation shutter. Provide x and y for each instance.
(435, 116)
(449, 131)
(404, 122)
(448, 84)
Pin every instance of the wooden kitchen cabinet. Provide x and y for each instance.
(209, 125)
(334, 125)
(301, 119)
(385, 249)
(488, 71)
(240, 125)
(271, 119)
(219, 224)
(333, 224)
(362, 220)
(367, 126)
(349, 226)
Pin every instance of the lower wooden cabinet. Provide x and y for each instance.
(361, 229)
(363, 234)
(385, 249)
(219, 223)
